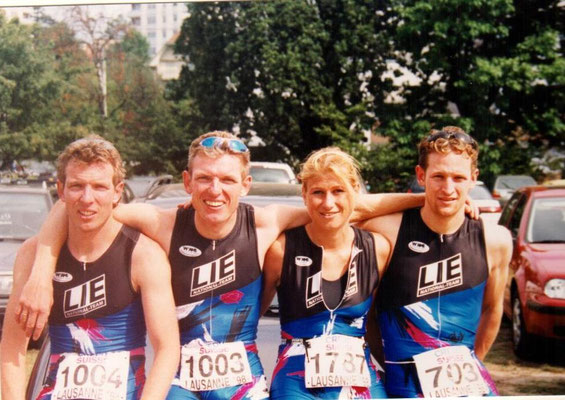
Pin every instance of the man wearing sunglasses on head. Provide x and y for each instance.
(216, 248)
(439, 304)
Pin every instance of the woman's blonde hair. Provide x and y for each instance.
(334, 160)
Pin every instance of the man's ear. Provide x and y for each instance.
(118, 191)
(421, 175)
(60, 190)
(246, 185)
(186, 179)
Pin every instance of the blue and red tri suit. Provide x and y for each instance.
(304, 314)
(430, 297)
(217, 288)
(96, 310)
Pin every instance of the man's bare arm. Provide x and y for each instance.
(377, 204)
(14, 339)
(37, 295)
(151, 274)
(499, 252)
(272, 272)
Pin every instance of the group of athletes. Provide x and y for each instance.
(105, 275)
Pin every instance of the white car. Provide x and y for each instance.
(277, 172)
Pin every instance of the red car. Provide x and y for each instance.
(534, 298)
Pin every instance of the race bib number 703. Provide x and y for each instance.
(449, 372)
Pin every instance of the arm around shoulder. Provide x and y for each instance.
(272, 270)
(378, 204)
(151, 275)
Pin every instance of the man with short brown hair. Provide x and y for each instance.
(439, 303)
(111, 286)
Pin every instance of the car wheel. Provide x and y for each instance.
(521, 340)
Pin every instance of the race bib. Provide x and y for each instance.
(449, 372)
(336, 360)
(101, 376)
(210, 366)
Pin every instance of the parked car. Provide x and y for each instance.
(505, 185)
(22, 211)
(534, 298)
(277, 172)
(142, 185)
(555, 182)
(489, 208)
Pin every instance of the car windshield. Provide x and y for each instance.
(21, 214)
(261, 174)
(479, 192)
(547, 221)
(515, 182)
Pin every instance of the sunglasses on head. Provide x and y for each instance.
(463, 137)
(235, 145)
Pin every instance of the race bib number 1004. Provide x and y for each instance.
(449, 372)
(336, 360)
(101, 376)
(210, 366)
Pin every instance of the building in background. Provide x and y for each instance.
(157, 22)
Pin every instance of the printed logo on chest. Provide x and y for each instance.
(314, 289)
(190, 251)
(440, 275)
(212, 275)
(85, 298)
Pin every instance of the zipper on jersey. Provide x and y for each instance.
(84, 266)
(214, 244)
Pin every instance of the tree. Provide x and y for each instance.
(493, 67)
(97, 33)
(298, 75)
(28, 86)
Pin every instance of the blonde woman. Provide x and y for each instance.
(325, 274)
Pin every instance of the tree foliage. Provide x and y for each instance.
(493, 67)
(49, 92)
(298, 74)
(305, 74)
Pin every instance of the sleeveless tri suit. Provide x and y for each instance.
(431, 298)
(217, 291)
(96, 326)
(304, 315)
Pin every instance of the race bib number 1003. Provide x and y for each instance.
(449, 372)
(336, 360)
(101, 376)
(210, 366)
